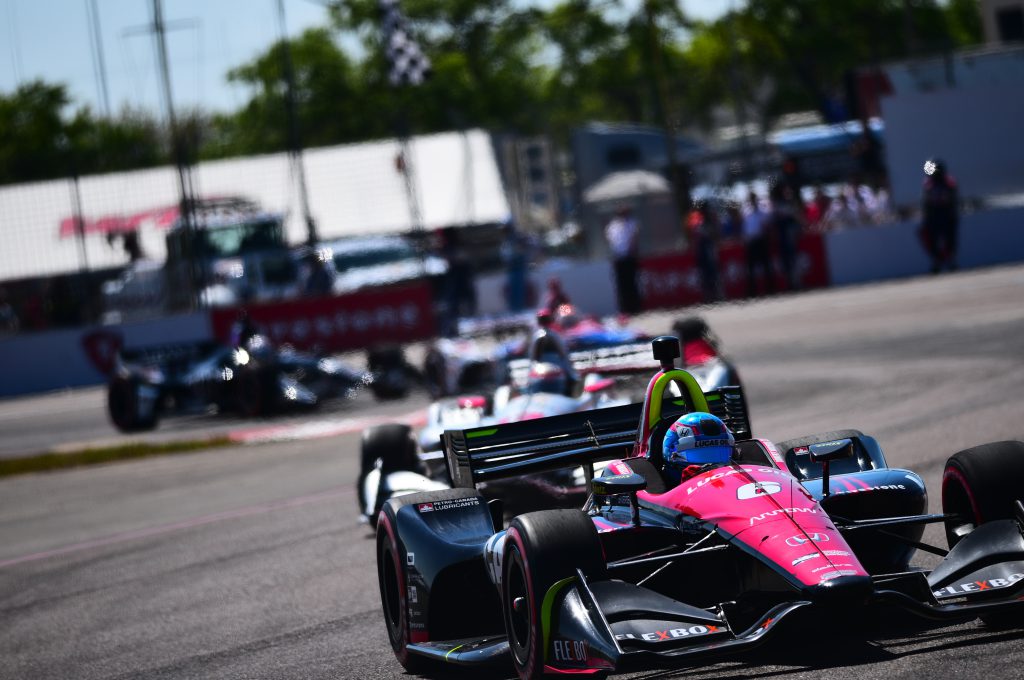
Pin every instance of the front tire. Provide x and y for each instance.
(980, 485)
(542, 549)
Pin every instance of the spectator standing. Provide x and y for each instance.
(755, 240)
(459, 286)
(9, 323)
(786, 221)
(556, 295)
(816, 209)
(515, 251)
(841, 215)
(621, 233)
(317, 279)
(940, 215)
(703, 226)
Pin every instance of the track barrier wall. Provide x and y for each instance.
(46, 361)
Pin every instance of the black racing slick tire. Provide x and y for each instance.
(254, 395)
(123, 407)
(393, 445)
(541, 549)
(393, 592)
(980, 485)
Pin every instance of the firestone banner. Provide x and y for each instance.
(674, 280)
(336, 324)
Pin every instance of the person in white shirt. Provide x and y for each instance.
(755, 240)
(621, 233)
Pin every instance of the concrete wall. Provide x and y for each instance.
(39, 362)
(42, 362)
(894, 251)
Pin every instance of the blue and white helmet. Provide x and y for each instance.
(697, 438)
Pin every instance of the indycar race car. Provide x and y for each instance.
(467, 365)
(394, 461)
(256, 379)
(651, 573)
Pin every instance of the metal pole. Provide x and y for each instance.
(76, 200)
(409, 175)
(195, 273)
(294, 138)
(98, 60)
(661, 97)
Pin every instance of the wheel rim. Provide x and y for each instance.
(518, 622)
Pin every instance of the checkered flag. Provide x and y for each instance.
(409, 66)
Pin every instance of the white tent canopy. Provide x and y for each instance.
(354, 189)
(620, 186)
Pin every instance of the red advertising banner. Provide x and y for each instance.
(674, 281)
(346, 322)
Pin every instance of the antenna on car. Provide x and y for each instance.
(666, 350)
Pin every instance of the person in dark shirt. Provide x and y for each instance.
(940, 215)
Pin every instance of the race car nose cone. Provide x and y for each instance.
(842, 590)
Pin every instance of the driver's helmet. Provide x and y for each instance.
(568, 317)
(935, 167)
(547, 378)
(697, 438)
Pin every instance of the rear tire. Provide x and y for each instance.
(980, 484)
(253, 394)
(123, 407)
(390, 372)
(541, 549)
(394, 446)
(391, 579)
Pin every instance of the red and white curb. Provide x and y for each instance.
(321, 428)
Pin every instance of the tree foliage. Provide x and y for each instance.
(506, 65)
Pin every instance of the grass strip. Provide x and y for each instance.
(46, 462)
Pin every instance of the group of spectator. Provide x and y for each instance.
(775, 222)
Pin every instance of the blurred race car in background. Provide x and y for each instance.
(251, 379)
(490, 353)
(606, 365)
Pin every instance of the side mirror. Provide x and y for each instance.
(621, 484)
(826, 452)
(618, 484)
(829, 451)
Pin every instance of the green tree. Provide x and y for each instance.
(330, 98)
(483, 55)
(32, 131)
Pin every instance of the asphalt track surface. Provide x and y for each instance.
(247, 562)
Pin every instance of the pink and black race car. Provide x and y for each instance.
(651, 573)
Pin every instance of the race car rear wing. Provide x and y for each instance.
(630, 357)
(483, 454)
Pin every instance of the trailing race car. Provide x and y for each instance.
(466, 365)
(252, 379)
(660, 571)
(394, 461)
(541, 383)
